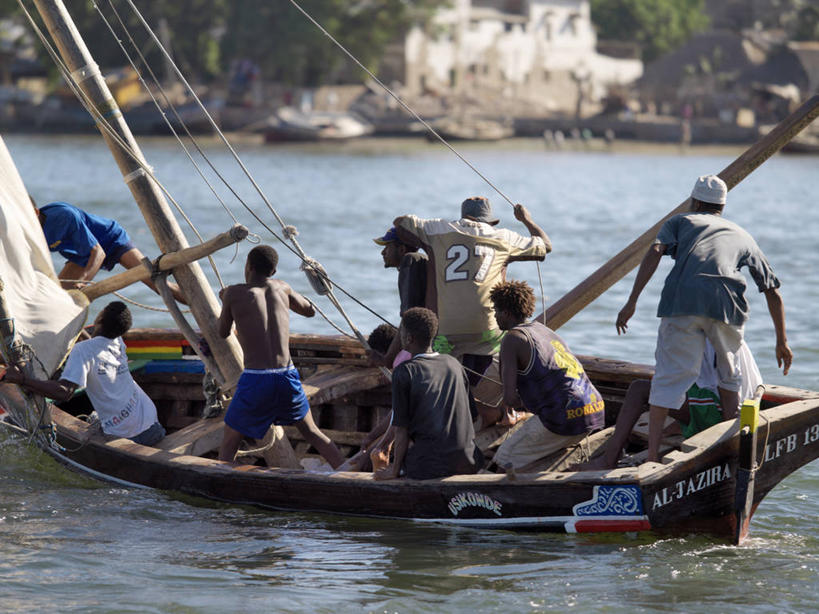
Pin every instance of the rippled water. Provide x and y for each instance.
(71, 544)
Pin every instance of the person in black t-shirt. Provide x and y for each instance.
(430, 397)
(412, 284)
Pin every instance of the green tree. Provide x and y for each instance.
(659, 26)
(290, 49)
(803, 24)
(194, 27)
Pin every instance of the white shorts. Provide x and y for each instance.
(530, 443)
(680, 348)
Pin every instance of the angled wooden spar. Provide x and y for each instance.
(166, 263)
(618, 267)
(146, 192)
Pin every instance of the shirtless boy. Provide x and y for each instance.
(269, 390)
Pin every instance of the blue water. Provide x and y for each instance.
(70, 544)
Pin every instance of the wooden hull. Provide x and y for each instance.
(694, 490)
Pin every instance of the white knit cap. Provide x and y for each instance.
(710, 189)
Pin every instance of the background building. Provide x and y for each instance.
(538, 53)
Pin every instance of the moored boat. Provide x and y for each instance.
(290, 124)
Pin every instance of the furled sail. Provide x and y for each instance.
(45, 317)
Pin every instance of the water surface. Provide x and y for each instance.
(72, 544)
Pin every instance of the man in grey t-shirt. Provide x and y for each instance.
(703, 297)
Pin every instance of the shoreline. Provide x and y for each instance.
(395, 144)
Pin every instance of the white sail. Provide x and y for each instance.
(45, 316)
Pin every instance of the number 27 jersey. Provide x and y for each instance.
(469, 258)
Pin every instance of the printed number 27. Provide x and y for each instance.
(458, 255)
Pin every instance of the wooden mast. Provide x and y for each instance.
(164, 227)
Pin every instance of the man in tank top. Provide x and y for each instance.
(539, 371)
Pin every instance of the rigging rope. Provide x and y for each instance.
(168, 102)
(399, 100)
(297, 250)
(104, 125)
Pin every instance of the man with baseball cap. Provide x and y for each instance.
(468, 257)
(703, 298)
(412, 282)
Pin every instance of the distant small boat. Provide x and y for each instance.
(290, 124)
(454, 128)
(805, 143)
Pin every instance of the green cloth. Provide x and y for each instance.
(703, 409)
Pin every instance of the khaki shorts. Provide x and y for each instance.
(680, 348)
(530, 443)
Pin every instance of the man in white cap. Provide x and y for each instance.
(467, 257)
(703, 298)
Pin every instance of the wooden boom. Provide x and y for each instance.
(166, 263)
(562, 310)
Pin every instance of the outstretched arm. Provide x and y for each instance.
(95, 259)
(776, 307)
(522, 215)
(56, 390)
(647, 268)
(300, 304)
(404, 235)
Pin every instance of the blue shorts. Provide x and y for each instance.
(265, 397)
(116, 244)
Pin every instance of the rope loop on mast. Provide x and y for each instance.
(317, 276)
(88, 71)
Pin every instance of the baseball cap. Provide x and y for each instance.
(389, 237)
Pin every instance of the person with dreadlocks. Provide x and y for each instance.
(539, 372)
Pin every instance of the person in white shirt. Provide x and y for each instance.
(100, 365)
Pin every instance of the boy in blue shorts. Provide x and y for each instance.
(89, 243)
(269, 390)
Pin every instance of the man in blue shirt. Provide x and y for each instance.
(89, 243)
(703, 298)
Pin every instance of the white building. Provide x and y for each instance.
(537, 51)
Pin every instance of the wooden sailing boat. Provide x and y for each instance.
(708, 483)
